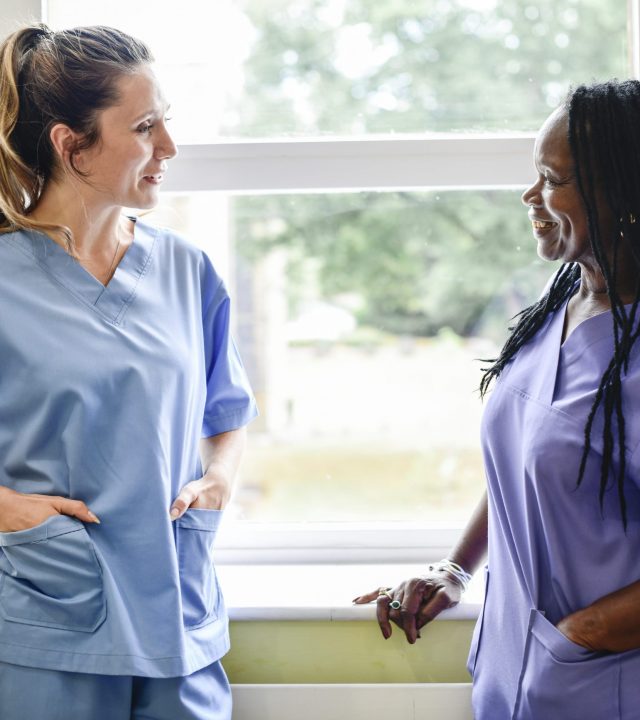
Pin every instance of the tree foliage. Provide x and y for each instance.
(418, 261)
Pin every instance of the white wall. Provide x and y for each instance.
(16, 12)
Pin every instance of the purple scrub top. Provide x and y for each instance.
(552, 550)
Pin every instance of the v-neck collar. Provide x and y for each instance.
(591, 330)
(587, 333)
(110, 301)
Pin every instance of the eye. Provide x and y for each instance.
(550, 182)
(145, 128)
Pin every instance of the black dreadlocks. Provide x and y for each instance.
(605, 146)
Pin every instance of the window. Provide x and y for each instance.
(272, 68)
(361, 318)
(355, 166)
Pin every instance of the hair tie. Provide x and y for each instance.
(37, 35)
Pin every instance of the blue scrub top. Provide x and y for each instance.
(552, 551)
(105, 393)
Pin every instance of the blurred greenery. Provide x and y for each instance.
(417, 262)
(345, 66)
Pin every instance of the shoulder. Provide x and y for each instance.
(169, 241)
(181, 256)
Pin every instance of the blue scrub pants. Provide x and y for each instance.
(34, 694)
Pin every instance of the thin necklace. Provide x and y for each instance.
(119, 232)
(115, 255)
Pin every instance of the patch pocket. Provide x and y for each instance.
(562, 679)
(50, 576)
(195, 534)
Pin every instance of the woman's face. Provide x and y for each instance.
(555, 207)
(126, 167)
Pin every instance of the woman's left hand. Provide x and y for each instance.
(210, 492)
(220, 457)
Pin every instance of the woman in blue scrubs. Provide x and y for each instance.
(559, 635)
(122, 399)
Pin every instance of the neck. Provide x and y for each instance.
(593, 286)
(96, 227)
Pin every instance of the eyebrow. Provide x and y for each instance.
(152, 111)
(550, 165)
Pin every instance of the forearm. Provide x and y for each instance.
(612, 623)
(471, 549)
(221, 454)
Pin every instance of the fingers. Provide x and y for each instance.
(188, 495)
(412, 600)
(383, 612)
(439, 601)
(75, 508)
(367, 597)
(383, 597)
(410, 606)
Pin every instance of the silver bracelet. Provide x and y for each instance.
(460, 575)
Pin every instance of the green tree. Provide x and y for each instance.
(419, 261)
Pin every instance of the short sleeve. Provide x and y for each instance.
(230, 403)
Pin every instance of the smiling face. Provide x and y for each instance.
(556, 210)
(126, 167)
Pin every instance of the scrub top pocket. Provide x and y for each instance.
(562, 679)
(195, 535)
(50, 576)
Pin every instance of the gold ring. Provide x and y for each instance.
(384, 592)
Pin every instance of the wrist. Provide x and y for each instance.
(584, 627)
(216, 483)
(453, 570)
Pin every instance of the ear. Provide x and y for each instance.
(63, 140)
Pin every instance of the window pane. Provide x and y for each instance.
(264, 68)
(361, 318)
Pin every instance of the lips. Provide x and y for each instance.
(539, 223)
(156, 176)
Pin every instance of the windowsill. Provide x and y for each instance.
(321, 592)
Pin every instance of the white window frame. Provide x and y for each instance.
(419, 162)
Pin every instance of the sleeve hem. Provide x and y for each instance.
(230, 421)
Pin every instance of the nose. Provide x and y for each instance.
(531, 196)
(165, 147)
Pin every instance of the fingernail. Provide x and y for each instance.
(175, 512)
(94, 517)
(355, 600)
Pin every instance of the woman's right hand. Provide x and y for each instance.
(22, 511)
(421, 600)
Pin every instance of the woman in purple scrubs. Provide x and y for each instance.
(559, 634)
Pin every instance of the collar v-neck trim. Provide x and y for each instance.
(587, 333)
(110, 301)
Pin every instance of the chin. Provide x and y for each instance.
(546, 255)
(144, 203)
